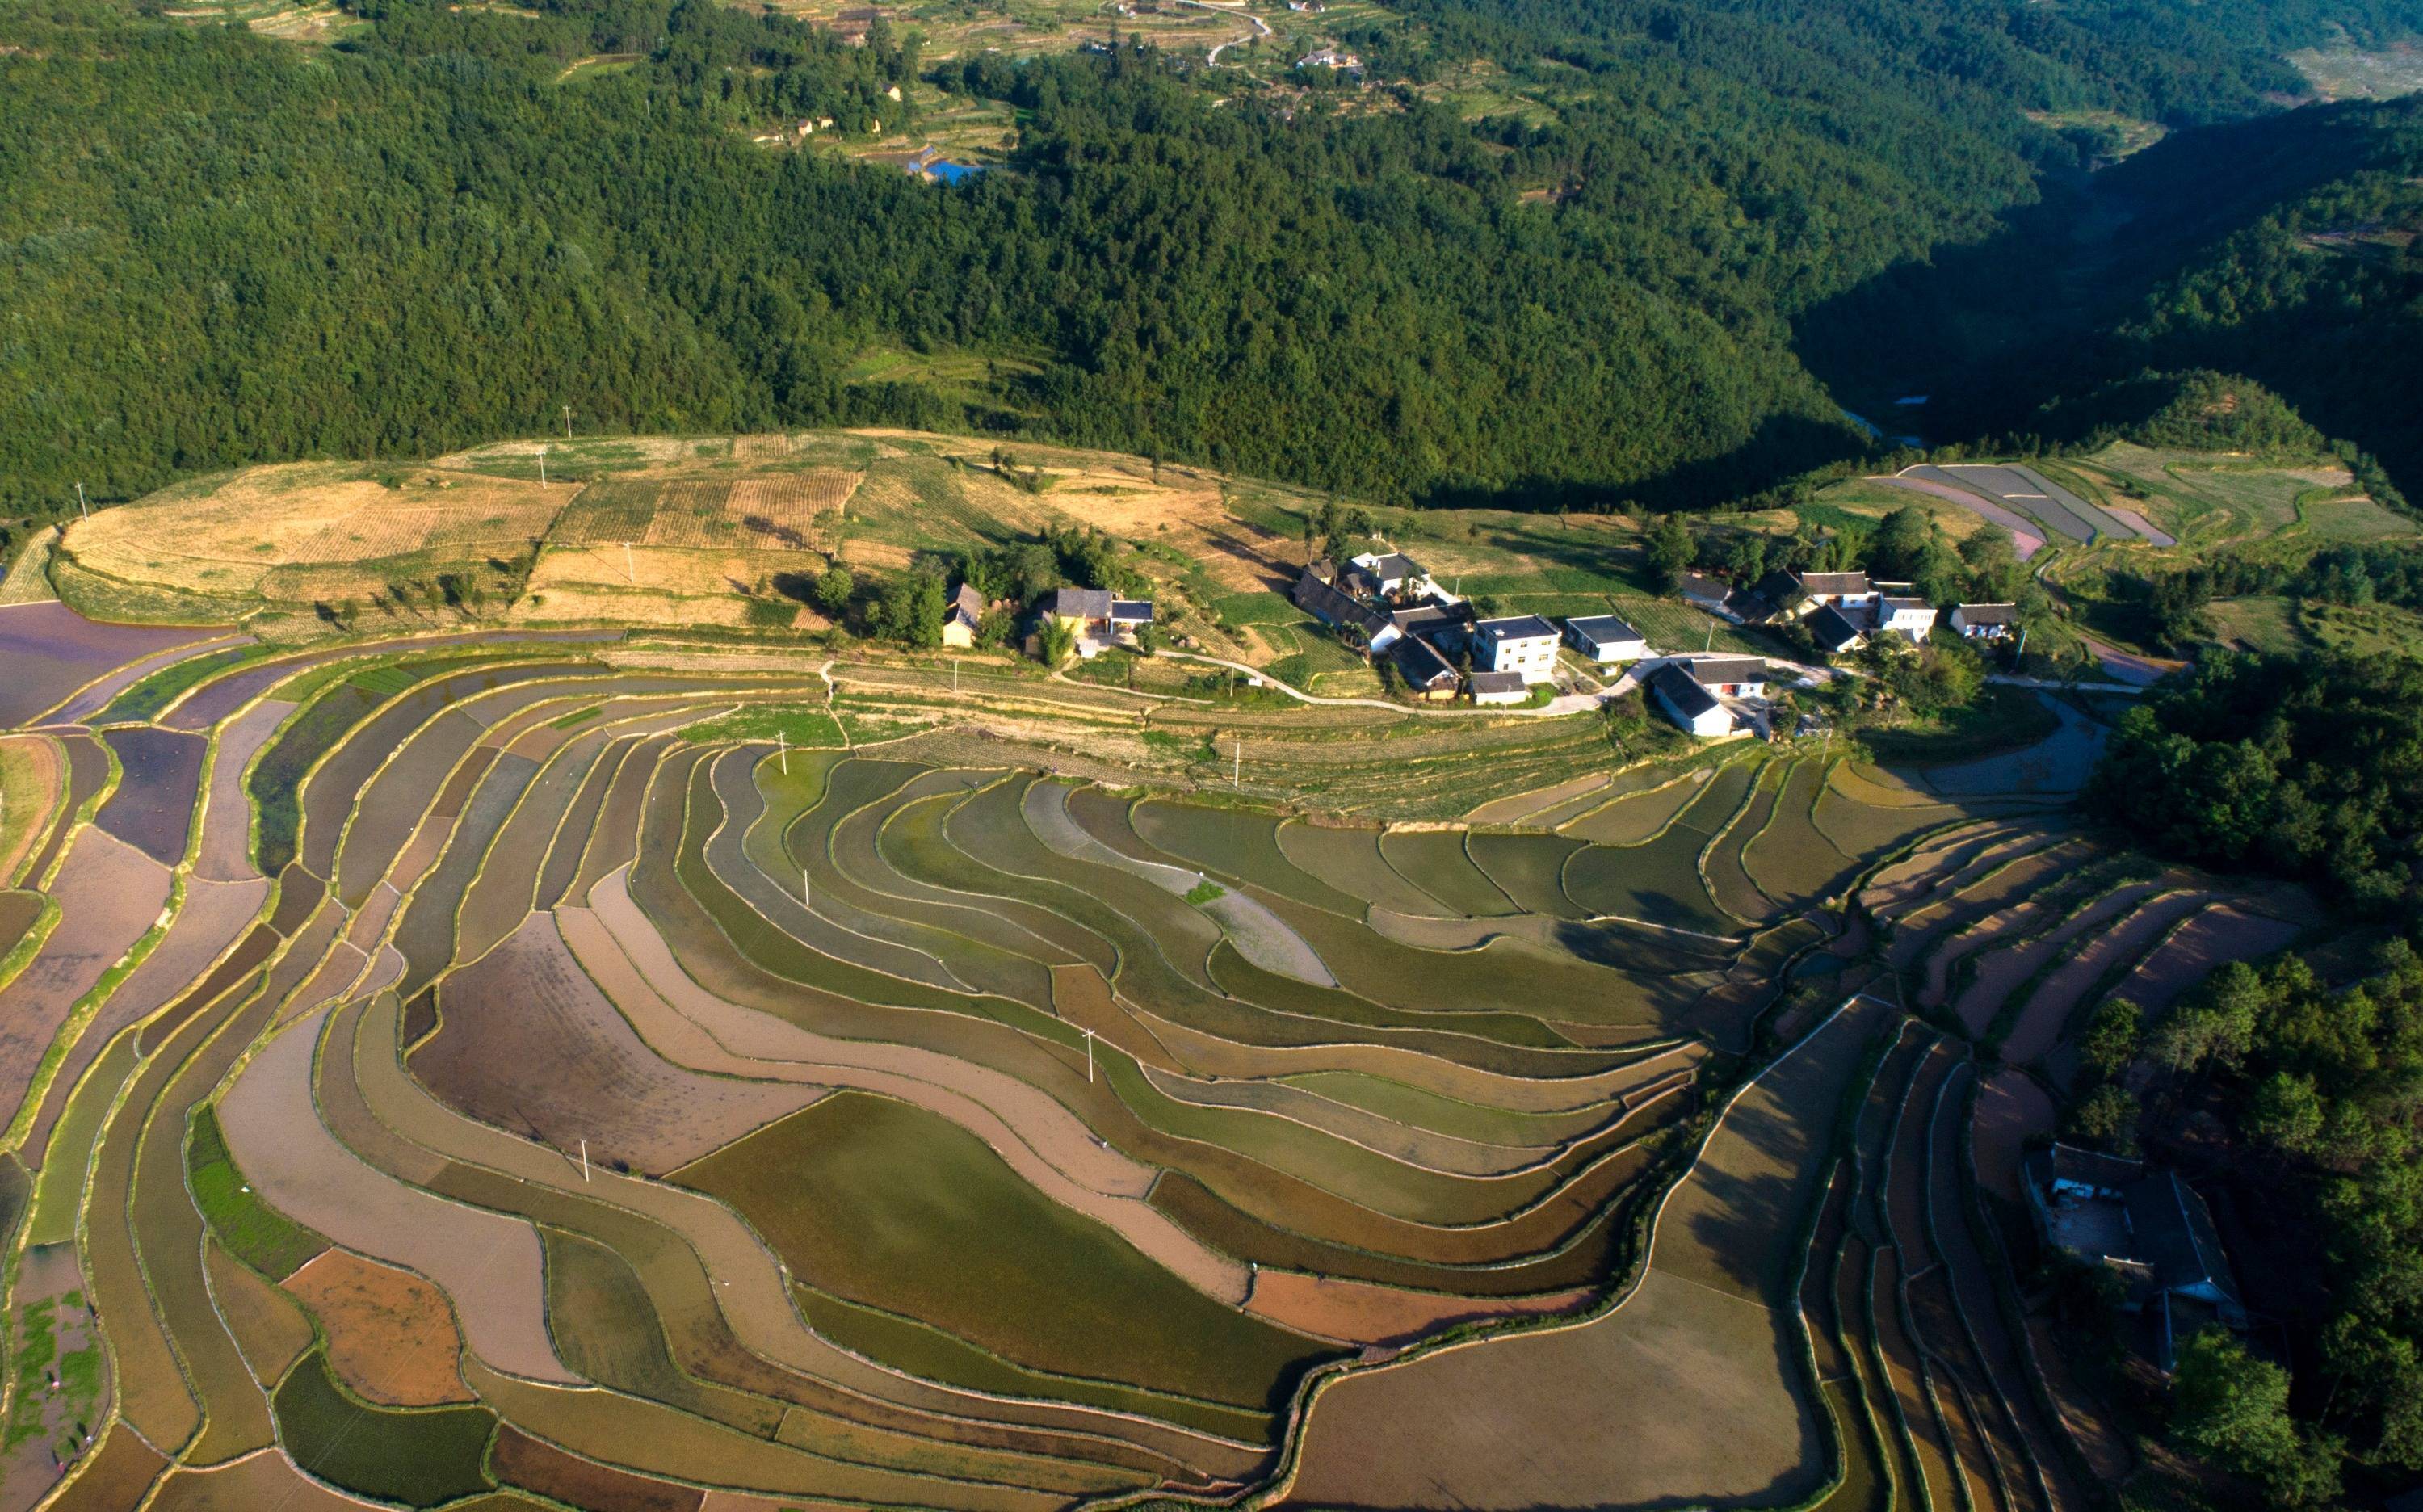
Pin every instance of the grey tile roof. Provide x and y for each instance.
(1676, 687)
(1832, 629)
(1728, 669)
(1498, 682)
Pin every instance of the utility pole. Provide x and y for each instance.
(584, 1160)
(82, 508)
(1237, 779)
(629, 572)
(1089, 1053)
(806, 901)
(783, 751)
(954, 677)
(542, 469)
(1712, 637)
(2022, 655)
(567, 422)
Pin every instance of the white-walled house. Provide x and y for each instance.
(1728, 677)
(1524, 644)
(1836, 588)
(1605, 639)
(1498, 688)
(1393, 573)
(1689, 703)
(1984, 622)
(1912, 617)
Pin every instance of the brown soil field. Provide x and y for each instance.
(1617, 1409)
(51, 651)
(270, 1329)
(1039, 1138)
(2011, 1109)
(526, 1042)
(489, 1266)
(226, 853)
(1361, 1312)
(229, 537)
(2204, 945)
(729, 1312)
(391, 1336)
(519, 1459)
(2047, 1009)
(263, 1480)
(115, 1474)
(2003, 969)
(108, 894)
(213, 916)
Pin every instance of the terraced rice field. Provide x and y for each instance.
(466, 1071)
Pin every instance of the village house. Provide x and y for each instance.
(1837, 588)
(1428, 675)
(1605, 639)
(2148, 1226)
(1498, 688)
(1393, 574)
(1833, 630)
(1436, 618)
(1984, 622)
(1912, 617)
(1728, 676)
(1100, 621)
(1722, 599)
(1524, 645)
(1688, 704)
(960, 620)
(1317, 594)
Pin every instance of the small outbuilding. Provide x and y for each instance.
(1499, 688)
(1428, 675)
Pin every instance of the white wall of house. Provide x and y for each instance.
(1534, 657)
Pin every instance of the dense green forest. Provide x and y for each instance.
(216, 247)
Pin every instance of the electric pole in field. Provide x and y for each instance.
(567, 422)
(629, 572)
(1089, 1053)
(804, 900)
(1236, 778)
(783, 751)
(954, 677)
(82, 508)
(584, 1160)
(541, 468)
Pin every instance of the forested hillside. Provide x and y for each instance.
(216, 247)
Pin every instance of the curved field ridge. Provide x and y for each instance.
(492, 1069)
(1615, 1409)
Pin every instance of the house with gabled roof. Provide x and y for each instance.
(2148, 1226)
(1498, 688)
(1833, 630)
(1100, 619)
(1393, 572)
(1317, 594)
(1834, 587)
(1728, 677)
(1689, 703)
(960, 620)
(1428, 675)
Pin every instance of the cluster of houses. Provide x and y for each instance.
(1843, 611)
(1389, 603)
(1442, 649)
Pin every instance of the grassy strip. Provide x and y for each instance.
(29, 945)
(255, 1233)
(804, 725)
(147, 699)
